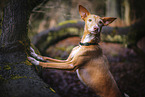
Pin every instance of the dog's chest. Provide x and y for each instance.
(75, 52)
(88, 38)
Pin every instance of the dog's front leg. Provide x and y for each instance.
(63, 66)
(68, 65)
(54, 65)
(42, 58)
(72, 54)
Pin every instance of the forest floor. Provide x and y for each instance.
(126, 66)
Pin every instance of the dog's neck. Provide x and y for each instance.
(90, 38)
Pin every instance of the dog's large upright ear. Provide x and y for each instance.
(108, 20)
(83, 12)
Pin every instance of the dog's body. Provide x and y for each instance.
(87, 58)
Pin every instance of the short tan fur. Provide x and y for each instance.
(87, 58)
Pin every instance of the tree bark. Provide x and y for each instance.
(127, 12)
(17, 76)
(111, 8)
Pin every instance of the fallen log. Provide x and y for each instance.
(39, 40)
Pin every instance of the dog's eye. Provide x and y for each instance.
(90, 20)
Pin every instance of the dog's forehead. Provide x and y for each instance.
(94, 16)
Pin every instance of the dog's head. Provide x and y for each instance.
(94, 23)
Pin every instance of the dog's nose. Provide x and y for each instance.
(95, 28)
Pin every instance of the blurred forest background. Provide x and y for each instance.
(55, 27)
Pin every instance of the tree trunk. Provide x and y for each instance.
(111, 8)
(17, 77)
(127, 12)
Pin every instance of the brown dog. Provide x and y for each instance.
(87, 58)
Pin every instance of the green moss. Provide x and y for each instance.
(118, 38)
(113, 33)
(37, 68)
(114, 38)
(0, 31)
(73, 30)
(17, 77)
(7, 67)
(69, 48)
(109, 38)
(30, 77)
(1, 77)
(66, 22)
(52, 90)
(27, 62)
(61, 48)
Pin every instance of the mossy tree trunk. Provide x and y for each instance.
(17, 77)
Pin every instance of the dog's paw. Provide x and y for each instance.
(31, 49)
(33, 61)
(33, 54)
(40, 58)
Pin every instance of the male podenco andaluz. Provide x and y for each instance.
(87, 58)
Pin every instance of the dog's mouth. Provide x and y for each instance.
(95, 32)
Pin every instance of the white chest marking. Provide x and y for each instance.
(75, 51)
(88, 38)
